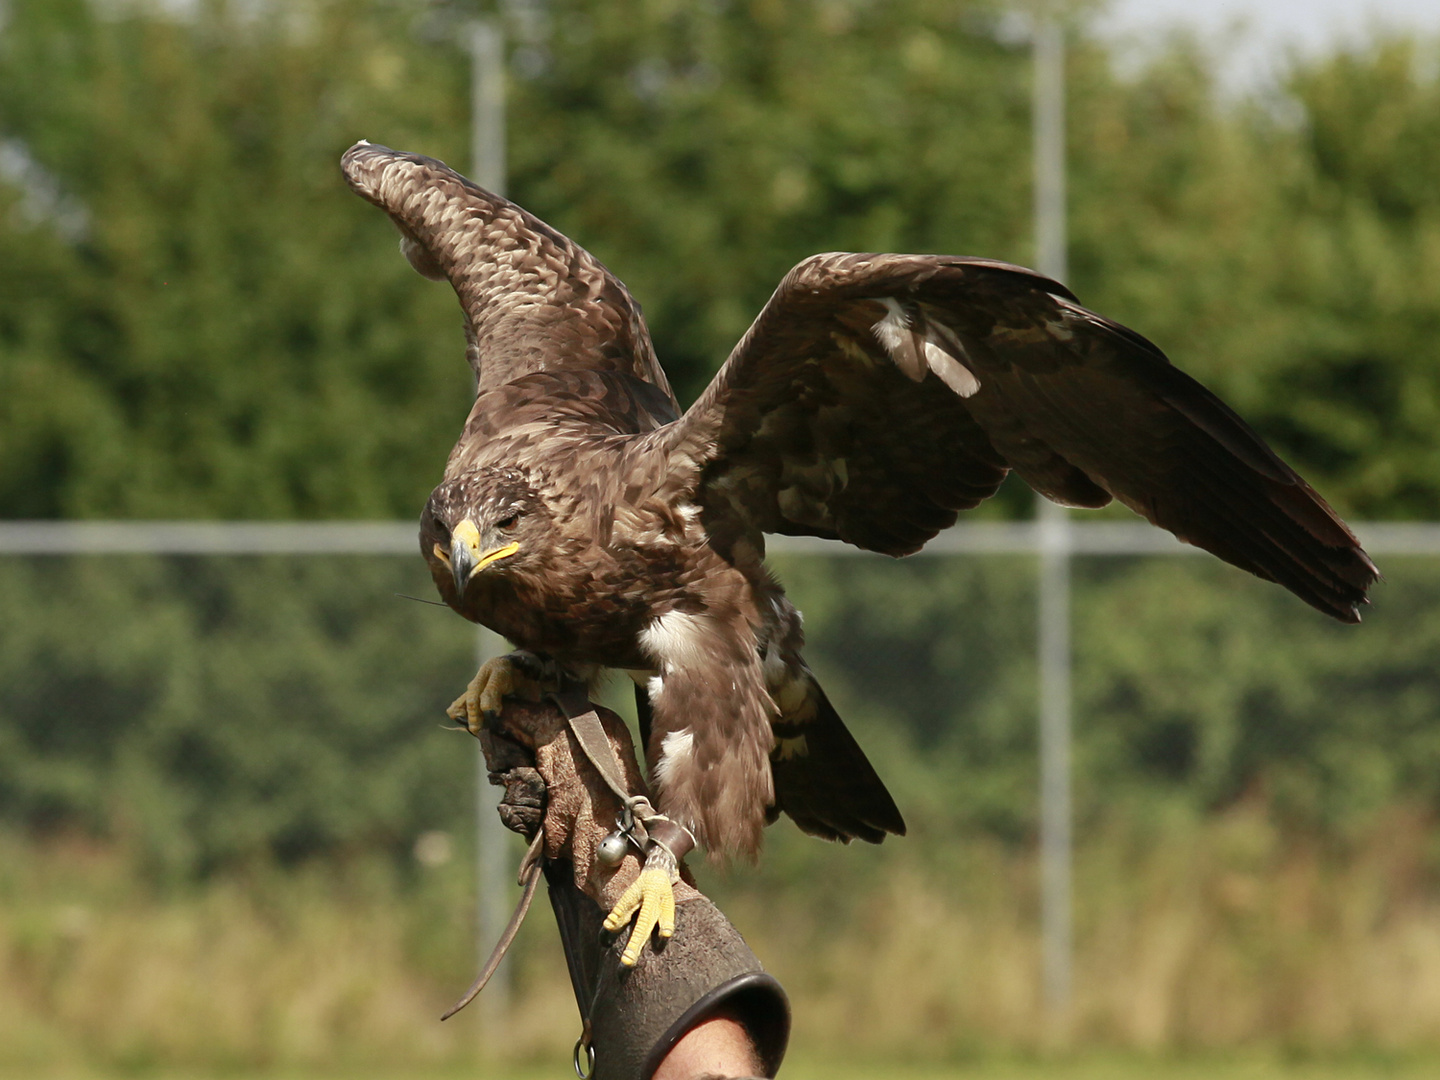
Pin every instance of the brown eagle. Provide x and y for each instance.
(589, 520)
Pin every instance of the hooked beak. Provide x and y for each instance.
(466, 557)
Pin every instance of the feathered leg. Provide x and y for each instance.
(710, 743)
(709, 748)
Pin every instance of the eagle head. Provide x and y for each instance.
(488, 521)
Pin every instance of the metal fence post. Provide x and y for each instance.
(487, 104)
(1055, 807)
(486, 43)
(1053, 646)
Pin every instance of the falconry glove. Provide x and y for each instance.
(557, 796)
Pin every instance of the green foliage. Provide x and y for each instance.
(1287, 253)
(702, 150)
(1195, 679)
(202, 711)
(197, 319)
(932, 662)
(217, 329)
(1194, 684)
(228, 334)
(1193, 938)
(205, 712)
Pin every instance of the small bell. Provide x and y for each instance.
(612, 849)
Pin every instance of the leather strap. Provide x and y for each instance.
(671, 835)
(530, 873)
(654, 829)
(590, 734)
(584, 722)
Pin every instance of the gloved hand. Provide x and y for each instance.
(632, 1016)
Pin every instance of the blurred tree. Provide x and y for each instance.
(197, 319)
(227, 333)
(1197, 681)
(205, 711)
(219, 331)
(704, 149)
(1287, 252)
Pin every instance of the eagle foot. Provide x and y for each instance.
(517, 674)
(650, 900)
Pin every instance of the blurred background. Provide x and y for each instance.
(234, 836)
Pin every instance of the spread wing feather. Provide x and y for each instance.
(533, 300)
(877, 395)
(831, 790)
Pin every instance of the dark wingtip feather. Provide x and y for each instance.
(1262, 527)
(832, 791)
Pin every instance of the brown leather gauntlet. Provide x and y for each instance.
(632, 1016)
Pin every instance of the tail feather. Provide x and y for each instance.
(824, 782)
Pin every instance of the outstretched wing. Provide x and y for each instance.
(877, 395)
(533, 300)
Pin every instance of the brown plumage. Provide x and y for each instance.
(874, 398)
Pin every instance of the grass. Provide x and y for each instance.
(1084, 1067)
(1191, 935)
(1222, 946)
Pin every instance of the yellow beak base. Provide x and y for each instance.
(466, 559)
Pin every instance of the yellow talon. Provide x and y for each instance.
(651, 895)
(485, 696)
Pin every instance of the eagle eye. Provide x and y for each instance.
(508, 523)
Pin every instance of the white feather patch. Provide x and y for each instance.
(774, 668)
(891, 330)
(1059, 329)
(676, 749)
(952, 373)
(420, 260)
(676, 640)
